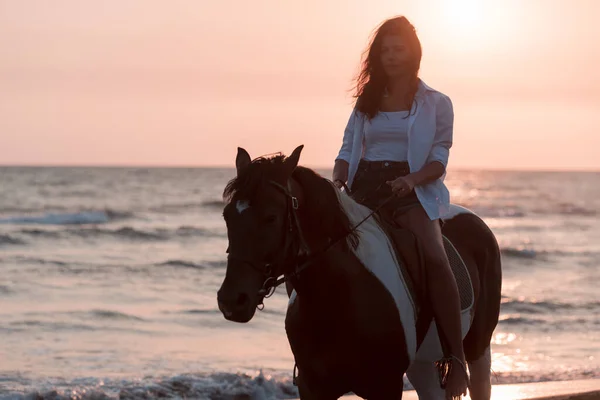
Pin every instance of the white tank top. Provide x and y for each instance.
(386, 137)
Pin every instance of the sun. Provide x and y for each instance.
(465, 14)
(462, 25)
(468, 25)
(464, 17)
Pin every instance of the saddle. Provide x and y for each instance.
(411, 258)
(410, 255)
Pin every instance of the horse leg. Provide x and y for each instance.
(307, 394)
(303, 390)
(391, 393)
(424, 378)
(481, 385)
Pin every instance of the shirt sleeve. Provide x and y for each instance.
(442, 142)
(346, 149)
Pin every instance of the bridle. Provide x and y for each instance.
(294, 243)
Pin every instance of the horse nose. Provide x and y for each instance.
(242, 300)
(229, 304)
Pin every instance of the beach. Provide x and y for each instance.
(561, 390)
(109, 278)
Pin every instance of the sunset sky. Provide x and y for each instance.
(146, 82)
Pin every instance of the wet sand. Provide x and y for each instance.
(586, 389)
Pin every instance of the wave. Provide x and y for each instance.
(29, 210)
(5, 289)
(126, 232)
(513, 211)
(9, 240)
(525, 253)
(191, 264)
(35, 260)
(565, 322)
(192, 231)
(175, 208)
(218, 386)
(40, 233)
(516, 319)
(519, 253)
(216, 264)
(54, 326)
(214, 204)
(544, 307)
(501, 211)
(191, 206)
(202, 311)
(216, 311)
(76, 218)
(573, 209)
(179, 263)
(113, 315)
(76, 321)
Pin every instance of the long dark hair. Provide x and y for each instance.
(371, 81)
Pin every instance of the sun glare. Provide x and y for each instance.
(469, 24)
(464, 19)
(464, 14)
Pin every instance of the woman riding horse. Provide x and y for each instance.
(397, 141)
(351, 323)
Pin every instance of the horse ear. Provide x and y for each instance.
(291, 162)
(242, 160)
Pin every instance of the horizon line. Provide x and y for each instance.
(217, 166)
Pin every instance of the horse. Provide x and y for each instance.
(349, 329)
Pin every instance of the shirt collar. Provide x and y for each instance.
(423, 88)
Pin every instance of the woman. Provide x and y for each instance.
(397, 142)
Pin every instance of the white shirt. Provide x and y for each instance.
(386, 137)
(430, 130)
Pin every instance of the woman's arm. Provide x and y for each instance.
(440, 150)
(342, 161)
(437, 161)
(429, 173)
(340, 173)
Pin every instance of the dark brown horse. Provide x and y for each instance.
(346, 327)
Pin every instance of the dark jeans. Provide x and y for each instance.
(370, 188)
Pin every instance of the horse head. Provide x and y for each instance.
(260, 228)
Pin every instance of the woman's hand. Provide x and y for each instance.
(340, 173)
(402, 186)
(338, 183)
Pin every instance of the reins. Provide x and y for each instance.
(271, 283)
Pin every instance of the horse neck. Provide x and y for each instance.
(319, 282)
(309, 215)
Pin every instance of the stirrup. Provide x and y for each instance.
(444, 367)
(295, 375)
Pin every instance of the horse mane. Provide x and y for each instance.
(252, 177)
(328, 219)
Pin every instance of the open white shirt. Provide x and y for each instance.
(430, 129)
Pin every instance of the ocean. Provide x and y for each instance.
(108, 281)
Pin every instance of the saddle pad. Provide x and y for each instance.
(377, 254)
(461, 274)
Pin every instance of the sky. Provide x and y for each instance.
(184, 83)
